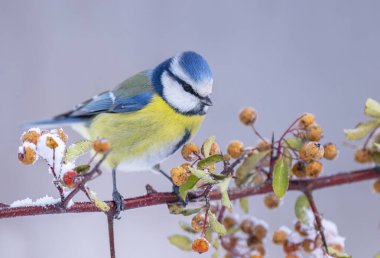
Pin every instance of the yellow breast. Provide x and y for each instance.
(145, 137)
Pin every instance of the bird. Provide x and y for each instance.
(147, 117)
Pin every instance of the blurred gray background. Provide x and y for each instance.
(282, 57)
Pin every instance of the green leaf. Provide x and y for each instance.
(77, 149)
(336, 254)
(301, 206)
(82, 169)
(372, 108)
(224, 192)
(361, 130)
(376, 145)
(294, 143)
(188, 228)
(178, 209)
(233, 230)
(182, 242)
(203, 175)
(187, 186)
(288, 161)
(98, 203)
(208, 234)
(209, 161)
(249, 163)
(216, 226)
(207, 145)
(280, 181)
(244, 204)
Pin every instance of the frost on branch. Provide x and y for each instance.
(68, 178)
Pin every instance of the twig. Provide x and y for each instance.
(166, 197)
(111, 234)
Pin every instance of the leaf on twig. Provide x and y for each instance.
(188, 228)
(175, 208)
(301, 206)
(82, 169)
(294, 143)
(182, 242)
(336, 254)
(249, 163)
(244, 204)
(98, 203)
(362, 129)
(224, 192)
(372, 108)
(280, 181)
(187, 186)
(77, 149)
(207, 145)
(216, 226)
(203, 175)
(209, 161)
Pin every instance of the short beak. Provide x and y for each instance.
(206, 101)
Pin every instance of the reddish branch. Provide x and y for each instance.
(157, 198)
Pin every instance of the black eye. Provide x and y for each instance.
(187, 88)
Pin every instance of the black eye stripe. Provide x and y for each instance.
(186, 87)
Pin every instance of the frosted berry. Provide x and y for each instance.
(229, 222)
(260, 231)
(69, 179)
(247, 116)
(264, 146)
(190, 151)
(279, 237)
(101, 146)
(200, 245)
(306, 120)
(30, 136)
(197, 223)
(178, 175)
(311, 150)
(308, 245)
(27, 155)
(62, 135)
(314, 133)
(314, 169)
(246, 226)
(51, 143)
(330, 151)
(299, 169)
(235, 149)
(271, 201)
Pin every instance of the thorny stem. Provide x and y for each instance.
(167, 197)
(285, 133)
(318, 221)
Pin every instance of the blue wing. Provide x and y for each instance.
(129, 96)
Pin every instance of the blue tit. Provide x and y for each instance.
(147, 117)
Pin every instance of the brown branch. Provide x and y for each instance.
(111, 234)
(157, 198)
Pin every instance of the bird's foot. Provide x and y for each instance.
(182, 201)
(118, 200)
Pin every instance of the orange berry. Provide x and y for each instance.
(264, 146)
(235, 149)
(306, 120)
(197, 222)
(246, 226)
(101, 146)
(290, 247)
(51, 143)
(299, 169)
(253, 241)
(279, 237)
(186, 167)
(260, 231)
(300, 228)
(178, 175)
(314, 133)
(308, 245)
(69, 179)
(30, 136)
(330, 151)
(314, 169)
(27, 155)
(200, 245)
(62, 135)
(213, 150)
(247, 116)
(229, 222)
(363, 156)
(376, 186)
(190, 151)
(311, 150)
(271, 201)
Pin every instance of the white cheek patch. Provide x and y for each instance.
(176, 96)
(203, 88)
